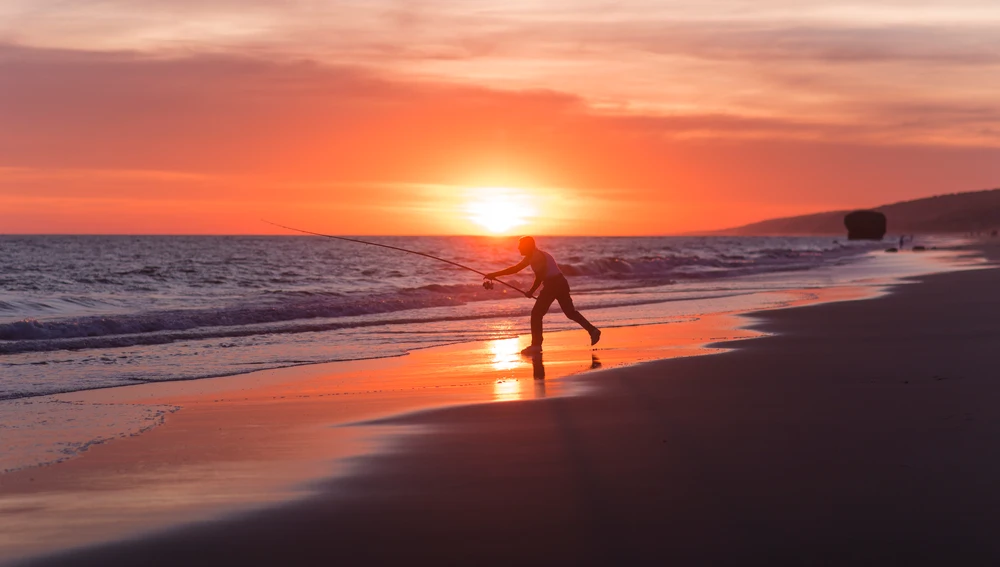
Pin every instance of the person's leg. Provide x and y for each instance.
(566, 303)
(545, 299)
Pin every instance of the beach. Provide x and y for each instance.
(273, 278)
(855, 432)
(467, 282)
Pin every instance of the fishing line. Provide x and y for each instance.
(487, 284)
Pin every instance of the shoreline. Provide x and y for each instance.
(286, 445)
(397, 417)
(50, 360)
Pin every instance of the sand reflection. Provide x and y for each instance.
(505, 354)
(537, 367)
(505, 357)
(507, 389)
(264, 433)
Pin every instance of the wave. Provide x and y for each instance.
(735, 261)
(299, 311)
(169, 335)
(267, 308)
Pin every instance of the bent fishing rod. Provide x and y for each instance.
(486, 284)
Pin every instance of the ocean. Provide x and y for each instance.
(85, 312)
(82, 312)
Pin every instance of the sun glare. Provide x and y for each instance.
(504, 354)
(499, 209)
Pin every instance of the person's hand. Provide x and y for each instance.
(529, 295)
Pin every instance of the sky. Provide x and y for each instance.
(479, 117)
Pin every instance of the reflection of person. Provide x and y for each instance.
(537, 367)
(554, 288)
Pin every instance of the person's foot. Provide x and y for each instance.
(532, 350)
(595, 336)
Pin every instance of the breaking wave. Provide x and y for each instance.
(328, 303)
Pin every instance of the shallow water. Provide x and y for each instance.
(131, 336)
(79, 312)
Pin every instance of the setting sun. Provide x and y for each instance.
(499, 209)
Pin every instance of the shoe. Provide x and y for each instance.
(595, 336)
(532, 350)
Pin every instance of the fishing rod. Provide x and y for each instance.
(486, 284)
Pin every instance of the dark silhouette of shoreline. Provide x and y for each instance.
(957, 213)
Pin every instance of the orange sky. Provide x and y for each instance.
(408, 117)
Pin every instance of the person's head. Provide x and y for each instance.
(526, 245)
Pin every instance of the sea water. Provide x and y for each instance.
(84, 312)
(80, 312)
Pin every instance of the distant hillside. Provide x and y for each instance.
(958, 212)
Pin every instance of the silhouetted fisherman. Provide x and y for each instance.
(554, 288)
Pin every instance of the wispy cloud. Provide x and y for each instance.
(315, 140)
(652, 55)
(798, 103)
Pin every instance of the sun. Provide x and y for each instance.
(499, 209)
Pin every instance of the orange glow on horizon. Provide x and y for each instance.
(202, 118)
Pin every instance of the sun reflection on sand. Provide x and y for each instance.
(505, 353)
(282, 419)
(505, 356)
(507, 389)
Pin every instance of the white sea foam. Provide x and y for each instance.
(45, 430)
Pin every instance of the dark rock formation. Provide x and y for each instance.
(865, 225)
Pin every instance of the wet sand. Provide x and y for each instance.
(863, 432)
(244, 442)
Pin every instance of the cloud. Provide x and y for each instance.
(816, 42)
(225, 113)
(786, 60)
(222, 113)
(645, 116)
(220, 139)
(383, 32)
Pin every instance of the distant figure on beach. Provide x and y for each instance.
(555, 288)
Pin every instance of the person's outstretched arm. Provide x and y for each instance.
(511, 270)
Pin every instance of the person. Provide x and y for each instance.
(554, 288)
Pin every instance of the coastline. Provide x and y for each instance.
(374, 464)
(245, 442)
